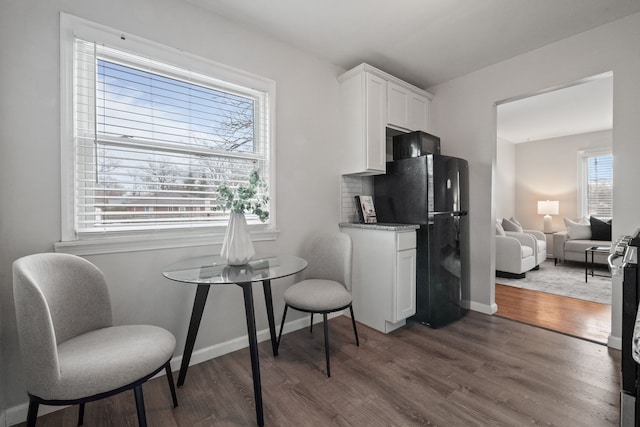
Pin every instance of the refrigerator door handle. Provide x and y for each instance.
(450, 213)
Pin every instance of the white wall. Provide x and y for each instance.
(464, 114)
(505, 179)
(548, 170)
(307, 175)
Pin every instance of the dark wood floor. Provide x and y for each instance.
(576, 317)
(480, 371)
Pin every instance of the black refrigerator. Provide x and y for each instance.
(431, 190)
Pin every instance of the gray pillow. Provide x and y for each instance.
(499, 229)
(510, 225)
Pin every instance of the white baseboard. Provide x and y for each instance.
(484, 308)
(614, 342)
(18, 414)
(216, 350)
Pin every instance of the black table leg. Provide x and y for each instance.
(196, 315)
(253, 349)
(586, 266)
(266, 284)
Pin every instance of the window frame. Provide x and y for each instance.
(72, 27)
(583, 157)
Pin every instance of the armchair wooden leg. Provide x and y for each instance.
(311, 324)
(142, 417)
(172, 386)
(326, 342)
(32, 414)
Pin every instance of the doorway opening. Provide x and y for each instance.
(542, 140)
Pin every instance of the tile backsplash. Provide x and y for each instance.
(353, 186)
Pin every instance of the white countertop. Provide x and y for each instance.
(380, 226)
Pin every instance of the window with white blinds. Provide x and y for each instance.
(154, 141)
(596, 184)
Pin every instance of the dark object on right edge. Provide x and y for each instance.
(432, 190)
(630, 382)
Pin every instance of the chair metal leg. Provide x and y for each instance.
(32, 414)
(81, 414)
(172, 386)
(311, 324)
(326, 342)
(353, 322)
(284, 315)
(142, 417)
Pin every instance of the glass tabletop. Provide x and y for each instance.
(598, 249)
(212, 270)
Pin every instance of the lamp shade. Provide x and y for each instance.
(548, 207)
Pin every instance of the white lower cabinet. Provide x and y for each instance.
(384, 276)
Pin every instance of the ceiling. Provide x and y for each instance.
(424, 42)
(581, 108)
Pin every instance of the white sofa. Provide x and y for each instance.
(581, 234)
(567, 249)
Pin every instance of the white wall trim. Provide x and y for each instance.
(484, 308)
(614, 342)
(18, 414)
(166, 240)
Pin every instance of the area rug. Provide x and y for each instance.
(566, 279)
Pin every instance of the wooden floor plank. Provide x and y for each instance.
(480, 371)
(572, 316)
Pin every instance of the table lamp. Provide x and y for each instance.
(548, 208)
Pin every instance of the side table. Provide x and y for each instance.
(589, 264)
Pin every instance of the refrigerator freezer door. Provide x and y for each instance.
(448, 181)
(400, 196)
(414, 188)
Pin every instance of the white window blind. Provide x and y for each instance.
(153, 142)
(597, 184)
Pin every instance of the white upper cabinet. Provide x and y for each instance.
(373, 100)
(406, 109)
(364, 115)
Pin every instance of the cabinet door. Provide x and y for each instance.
(418, 112)
(406, 109)
(375, 145)
(397, 106)
(405, 292)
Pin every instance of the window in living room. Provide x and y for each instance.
(153, 132)
(595, 186)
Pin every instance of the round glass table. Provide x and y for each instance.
(211, 270)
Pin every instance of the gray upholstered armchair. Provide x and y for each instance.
(71, 351)
(540, 244)
(514, 255)
(511, 226)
